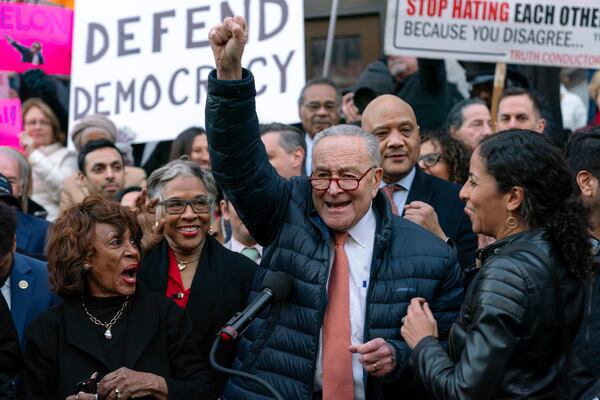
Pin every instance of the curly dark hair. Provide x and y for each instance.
(527, 159)
(454, 152)
(70, 240)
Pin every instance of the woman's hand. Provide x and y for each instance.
(152, 229)
(418, 323)
(125, 384)
(26, 142)
(88, 391)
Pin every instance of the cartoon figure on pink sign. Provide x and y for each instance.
(31, 54)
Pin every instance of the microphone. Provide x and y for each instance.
(276, 287)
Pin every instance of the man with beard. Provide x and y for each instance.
(101, 168)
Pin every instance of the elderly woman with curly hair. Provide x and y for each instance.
(444, 157)
(111, 338)
(524, 307)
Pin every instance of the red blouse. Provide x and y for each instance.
(175, 288)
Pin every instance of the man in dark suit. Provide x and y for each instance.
(24, 280)
(10, 355)
(31, 231)
(31, 54)
(426, 200)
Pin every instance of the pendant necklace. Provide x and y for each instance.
(181, 265)
(108, 325)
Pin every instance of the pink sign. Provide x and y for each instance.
(10, 122)
(4, 85)
(33, 36)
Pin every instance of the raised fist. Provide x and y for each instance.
(227, 40)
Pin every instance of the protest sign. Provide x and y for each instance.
(145, 64)
(546, 32)
(10, 122)
(33, 36)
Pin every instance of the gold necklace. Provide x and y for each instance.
(183, 264)
(108, 325)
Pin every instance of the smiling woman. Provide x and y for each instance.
(188, 265)
(115, 338)
(524, 306)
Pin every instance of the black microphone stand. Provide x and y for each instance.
(239, 374)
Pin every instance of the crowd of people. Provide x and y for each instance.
(434, 253)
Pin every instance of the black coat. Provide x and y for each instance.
(506, 343)
(10, 353)
(443, 197)
(220, 288)
(64, 348)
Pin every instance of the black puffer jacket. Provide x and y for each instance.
(507, 343)
(281, 345)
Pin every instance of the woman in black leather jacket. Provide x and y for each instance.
(508, 342)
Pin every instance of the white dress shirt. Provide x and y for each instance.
(359, 249)
(309, 148)
(6, 291)
(400, 196)
(236, 246)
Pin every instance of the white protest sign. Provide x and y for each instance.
(546, 32)
(145, 63)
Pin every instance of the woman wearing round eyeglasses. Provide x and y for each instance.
(51, 162)
(188, 265)
(444, 157)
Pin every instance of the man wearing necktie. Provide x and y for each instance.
(354, 265)
(241, 241)
(423, 199)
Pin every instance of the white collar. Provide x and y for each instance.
(405, 182)
(362, 232)
(238, 247)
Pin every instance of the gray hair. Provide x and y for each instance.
(344, 130)
(175, 169)
(456, 117)
(24, 167)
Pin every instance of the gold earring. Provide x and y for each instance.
(511, 221)
(86, 267)
(211, 231)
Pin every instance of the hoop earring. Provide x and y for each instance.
(511, 221)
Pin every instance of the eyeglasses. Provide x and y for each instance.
(430, 159)
(200, 205)
(347, 184)
(34, 122)
(315, 106)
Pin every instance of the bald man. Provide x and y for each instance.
(424, 199)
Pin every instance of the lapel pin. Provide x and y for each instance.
(23, 284)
